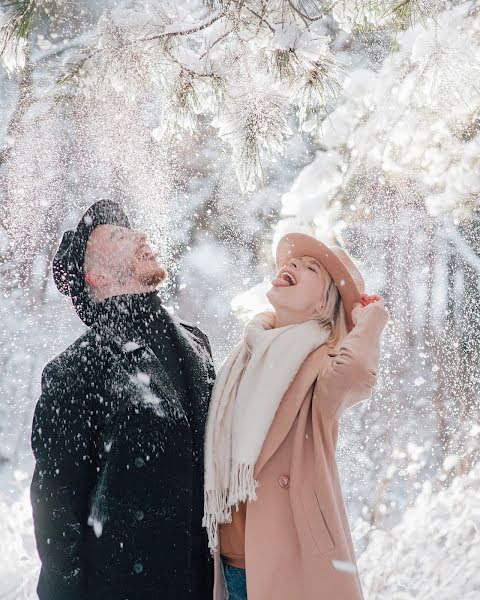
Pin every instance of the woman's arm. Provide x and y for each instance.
(350, 372)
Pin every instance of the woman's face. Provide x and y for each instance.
(298, 288)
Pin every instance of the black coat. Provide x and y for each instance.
(112, 489)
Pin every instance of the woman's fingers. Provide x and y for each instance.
(370, 299)
(365, 300)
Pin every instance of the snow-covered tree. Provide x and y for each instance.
(246, 65)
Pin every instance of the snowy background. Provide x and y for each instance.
(219, 129)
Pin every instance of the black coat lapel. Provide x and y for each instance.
(140, 364)
(192, 349)
(197, 361)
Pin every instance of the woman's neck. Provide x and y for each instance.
(284, 318)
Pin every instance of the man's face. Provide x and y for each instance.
(119, 256)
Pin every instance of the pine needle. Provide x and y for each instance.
(15, 23)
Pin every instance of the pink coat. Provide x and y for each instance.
(297, 540)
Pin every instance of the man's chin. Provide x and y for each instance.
(155, 278)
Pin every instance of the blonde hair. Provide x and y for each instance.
(332, 313)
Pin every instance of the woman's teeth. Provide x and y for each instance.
(284, 280)
(288, 278)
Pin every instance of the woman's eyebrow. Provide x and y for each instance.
(315, 262)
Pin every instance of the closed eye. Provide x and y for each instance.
(117, 235)
(312, 269)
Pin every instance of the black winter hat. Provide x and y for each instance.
(68, 262)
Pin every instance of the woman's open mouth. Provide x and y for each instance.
(285, 278)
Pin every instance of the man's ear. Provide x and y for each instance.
(95, 280)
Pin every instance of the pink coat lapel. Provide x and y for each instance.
(290, 405)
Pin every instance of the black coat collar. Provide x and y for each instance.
(120, 323)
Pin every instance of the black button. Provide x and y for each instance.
(139, 515)
(139, 462)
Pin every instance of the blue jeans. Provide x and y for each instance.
(236, 582)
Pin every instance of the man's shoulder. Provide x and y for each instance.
(83, 351)
(195, 330)
(191, 327)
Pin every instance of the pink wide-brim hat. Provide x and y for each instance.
(336, 261)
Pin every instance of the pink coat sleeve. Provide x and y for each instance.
(350, 371)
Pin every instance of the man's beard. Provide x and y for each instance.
(155, 278)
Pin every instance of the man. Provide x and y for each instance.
(117, 492)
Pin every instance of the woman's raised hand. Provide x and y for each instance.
(366, 300)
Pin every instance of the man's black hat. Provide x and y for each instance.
(68, 261)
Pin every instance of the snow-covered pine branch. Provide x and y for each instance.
(254, 121)
(246, 71)
(252, 67)
(16, 19)
(357, 15)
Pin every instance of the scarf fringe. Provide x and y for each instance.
(216, 512)
(218, 503)
(242, 485)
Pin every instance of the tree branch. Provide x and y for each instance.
(189, 70)
(260, 18)
(306, 18)
(219, 39)
(76, 68)
(190, 31)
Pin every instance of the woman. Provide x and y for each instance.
(274, 509)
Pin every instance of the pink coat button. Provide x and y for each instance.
(284, 481)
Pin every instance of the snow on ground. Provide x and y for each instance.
(19, 564)
(433, 553)
(30, 336)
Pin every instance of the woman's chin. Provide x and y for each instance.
(275, 296)
(270, 294)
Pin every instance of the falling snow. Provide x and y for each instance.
(362, 129)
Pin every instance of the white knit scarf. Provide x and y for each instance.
(245, 398)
